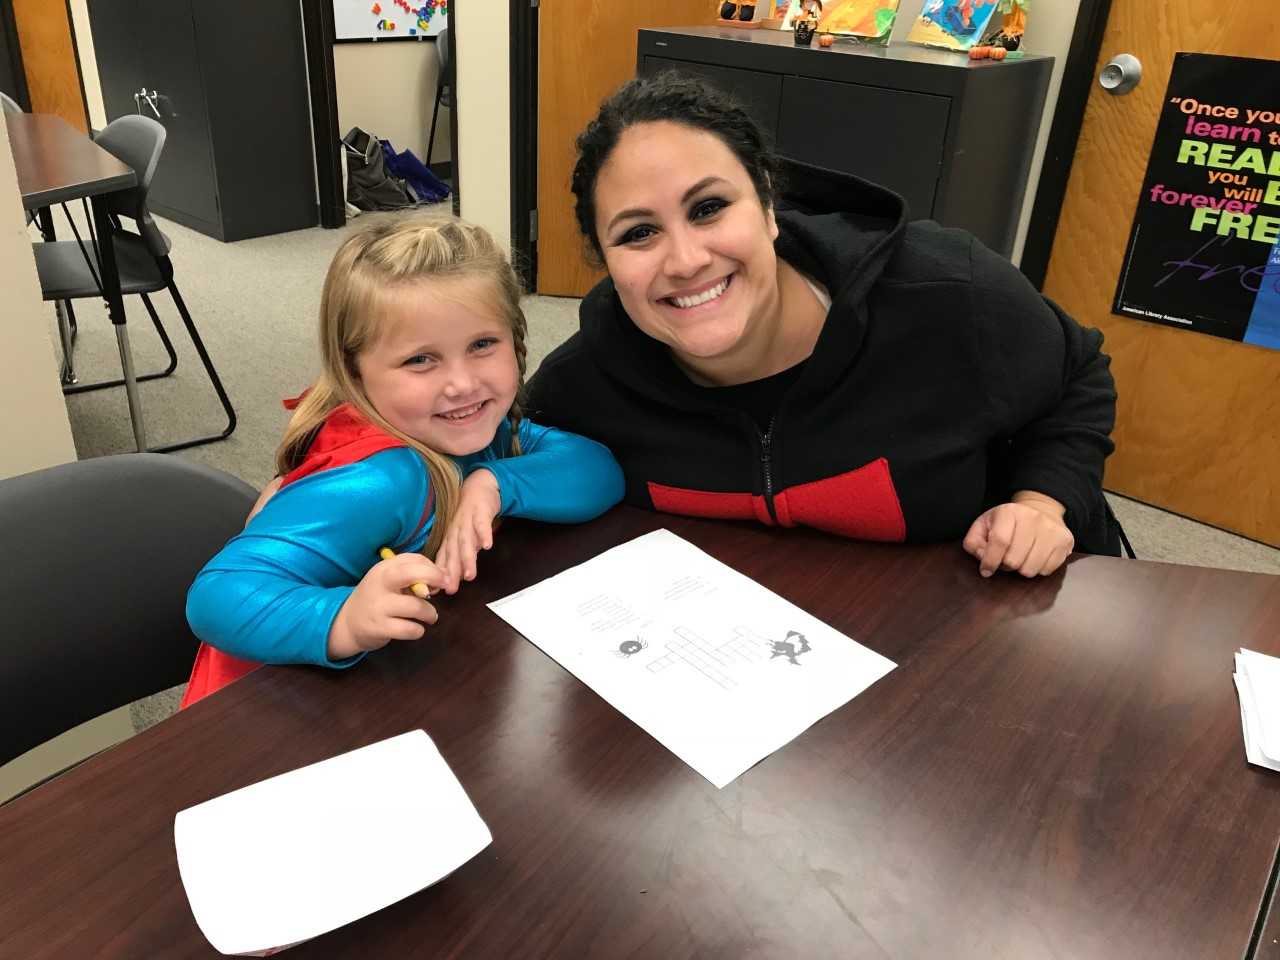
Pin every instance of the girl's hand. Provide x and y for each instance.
(380, 610)
(1027, 535)
(471, 529)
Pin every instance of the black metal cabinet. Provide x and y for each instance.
(228, 80)
(955, 137)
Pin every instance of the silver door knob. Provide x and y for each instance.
(1121, 74)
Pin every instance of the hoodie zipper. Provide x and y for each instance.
(766, 461)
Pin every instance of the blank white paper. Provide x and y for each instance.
(303, 853)
(1262, 675)
(715, 667)
(1257, 680)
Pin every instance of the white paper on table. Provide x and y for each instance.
(1262, 674)
(1252, 752)
(287, 859)
(715, 667)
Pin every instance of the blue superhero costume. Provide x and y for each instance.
(270, 595)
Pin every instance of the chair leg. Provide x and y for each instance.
(213, 378)
(435, 111)
(164, 339)
(131, 386)
(68, 374)
(104, 384)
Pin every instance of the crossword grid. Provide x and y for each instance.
(696, 651)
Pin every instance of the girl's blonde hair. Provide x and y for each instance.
(374, 264)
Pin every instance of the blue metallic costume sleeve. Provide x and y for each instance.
(272, 592)
(559, 477)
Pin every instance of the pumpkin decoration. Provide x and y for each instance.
(825, 39)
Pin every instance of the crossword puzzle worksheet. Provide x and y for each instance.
(715, 667)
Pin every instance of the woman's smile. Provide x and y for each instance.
(707, 295)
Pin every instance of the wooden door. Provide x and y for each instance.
(49, 60)
(1198, 422)
(586, 49)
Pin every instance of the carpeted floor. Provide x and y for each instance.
(255, 303)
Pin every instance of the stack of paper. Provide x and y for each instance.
(715, 667)
(1258, 683)
(290, 858)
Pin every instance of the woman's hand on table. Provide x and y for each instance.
(1026, 535)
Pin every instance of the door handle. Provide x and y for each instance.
(149, 99)
(1121, 74)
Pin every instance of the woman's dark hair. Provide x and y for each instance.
(678, 99)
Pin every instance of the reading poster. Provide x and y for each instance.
(1204, 250)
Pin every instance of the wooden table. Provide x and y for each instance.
(1055, 770)
(55, 163)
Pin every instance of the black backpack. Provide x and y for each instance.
(369, 186)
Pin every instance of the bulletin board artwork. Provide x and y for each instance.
(389, 19)
(1204, 247)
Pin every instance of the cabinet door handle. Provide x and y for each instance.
(149, 99)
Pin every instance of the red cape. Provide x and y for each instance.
(345, 437)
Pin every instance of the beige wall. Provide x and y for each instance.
(36, 433)
(388, 90)
(1049, 28)
(484, 115)
(88, 63)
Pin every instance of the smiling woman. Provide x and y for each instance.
(810, 358)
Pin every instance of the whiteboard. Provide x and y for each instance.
(389, 19)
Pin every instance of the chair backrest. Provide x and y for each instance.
(98, 556)
(446, 65)
(8, 104)
(137, 141)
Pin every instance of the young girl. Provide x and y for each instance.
(411, 439)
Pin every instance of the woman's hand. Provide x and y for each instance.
(379, 610)
(471, 529)
(1026, 535)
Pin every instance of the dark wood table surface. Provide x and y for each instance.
(1054, 770)
(56, 162)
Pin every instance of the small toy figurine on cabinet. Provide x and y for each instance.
(733, 14)
(804, 20)
(825, 40)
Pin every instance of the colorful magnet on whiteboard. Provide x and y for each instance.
(413, 32)
(423, 24)
(376, 9)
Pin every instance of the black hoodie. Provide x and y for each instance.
(941, 383)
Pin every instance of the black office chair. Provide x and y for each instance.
(97, 559)
(444, 85)
(10, 105)
(67, 268)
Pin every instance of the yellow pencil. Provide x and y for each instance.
(419, 589)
